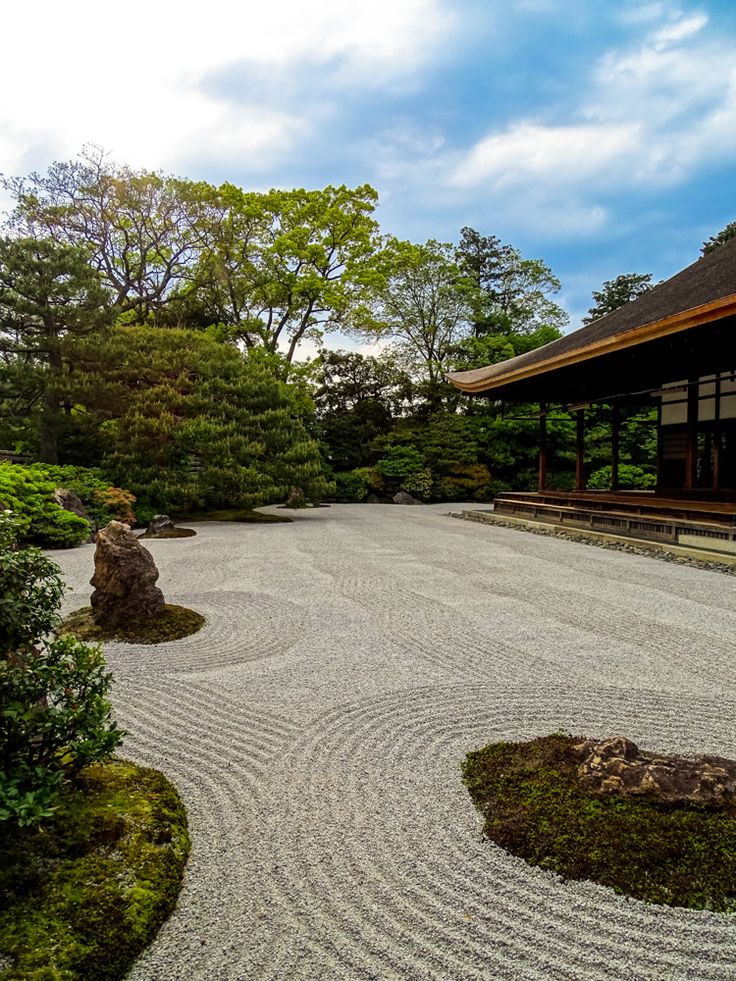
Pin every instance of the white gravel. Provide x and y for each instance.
(316, 725)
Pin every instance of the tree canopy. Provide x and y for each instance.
(719, 238)
(616, 293)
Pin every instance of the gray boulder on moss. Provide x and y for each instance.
(124, 580)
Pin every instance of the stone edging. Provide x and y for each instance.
(676, 554)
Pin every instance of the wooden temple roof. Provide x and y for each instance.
(700, 294)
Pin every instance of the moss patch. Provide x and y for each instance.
(171, 533)
(240, 516)
(83, 897)
(174, 623)
(535, 807)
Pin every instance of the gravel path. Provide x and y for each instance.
(315, 728)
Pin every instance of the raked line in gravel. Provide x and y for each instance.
(316, 725)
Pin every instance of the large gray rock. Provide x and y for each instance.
(70, 502)
(124, 580)
(159, 523)
(403, 498)
(296, 498)
(618, 767)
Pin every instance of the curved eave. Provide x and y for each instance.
(475, 381)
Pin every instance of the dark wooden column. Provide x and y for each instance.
(615, 433)
(691, 451)
(580, 450)
(717, 437)
(542, 446)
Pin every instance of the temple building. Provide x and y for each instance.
(674, 347)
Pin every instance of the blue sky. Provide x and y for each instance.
(600, 137)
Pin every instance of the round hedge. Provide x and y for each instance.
(535, 807)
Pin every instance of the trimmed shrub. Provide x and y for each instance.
(54, 714)
(102, 501)
(351, 487)
(39, 519)
(630, 477)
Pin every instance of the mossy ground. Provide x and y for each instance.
(83, 896)
(240, 516)
(535, 807)
(174, 623)
(171, 533)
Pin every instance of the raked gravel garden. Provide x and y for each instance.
(315, 728)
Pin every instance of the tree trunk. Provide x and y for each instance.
(49, 425)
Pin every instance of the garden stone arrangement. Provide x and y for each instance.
(316, 725)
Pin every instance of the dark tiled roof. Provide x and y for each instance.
(711, 278)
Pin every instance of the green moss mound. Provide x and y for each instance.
(535, 807)
(240, 516)
(174, 623)
(171, 533)
(82, 897)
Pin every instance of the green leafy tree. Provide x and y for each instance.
(142, 230)
(511, 295)
(280, 266)
(54, 712)
(188, 422)
(618, 292)
(49, 295)
(719, 238)
(416, 296)
(357, 399)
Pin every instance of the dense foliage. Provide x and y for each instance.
(104, 265)
(535, 807)
(188, 423)
(27, 492)
(54, 713)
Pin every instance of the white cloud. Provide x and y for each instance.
(530, 151)
(651, 115)
(129, 77)
(679, 31)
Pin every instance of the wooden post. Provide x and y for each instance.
(615, 433)
(717, 437)
(580, 451)
(691, 452)
(542, 446)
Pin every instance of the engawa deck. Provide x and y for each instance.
(703, 524)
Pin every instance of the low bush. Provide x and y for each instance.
(351, 487)
(102, 501)
(39, 519)
(54, 713)
(630, 477)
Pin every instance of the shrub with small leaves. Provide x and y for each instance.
(54, 712)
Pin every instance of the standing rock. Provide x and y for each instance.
(69, 501)
(124, 580)
(403, 498)
(159, 523)
(296, 498)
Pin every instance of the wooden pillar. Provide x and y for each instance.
(717, 437)
(615, 433)
(691, 451)
(580, 450)
(542, 446)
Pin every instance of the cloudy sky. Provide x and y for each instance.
(600, 137)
